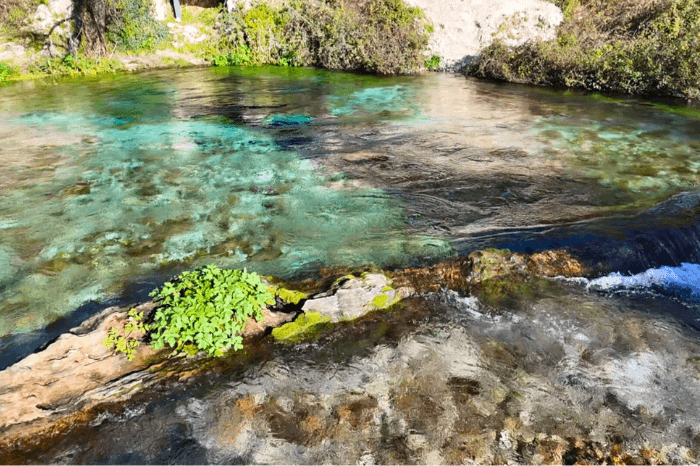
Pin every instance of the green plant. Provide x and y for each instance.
(133, 28)
(121, 341)
(208, 307)
(433, 62)
(633, 46)
(241, 56)
(7, 71)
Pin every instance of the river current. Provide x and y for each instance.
(111, 185)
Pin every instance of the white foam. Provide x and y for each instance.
(685, 277)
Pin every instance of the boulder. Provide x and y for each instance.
(462, 28)
(74, 372)
(11, 51)
(355, 297)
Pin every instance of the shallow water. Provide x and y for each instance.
(111, 185)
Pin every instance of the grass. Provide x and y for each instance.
(647, 47)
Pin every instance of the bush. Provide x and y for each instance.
(379, 36)
(633, 46)
(133, 28)
(7, 71)
(208, 308)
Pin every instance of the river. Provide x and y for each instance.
(111, 185)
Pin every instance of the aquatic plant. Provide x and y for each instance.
(207, 307)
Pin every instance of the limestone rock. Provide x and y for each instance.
(462, 28)
(11, 51)
(46, 16)
(71, 373)
(355, 297)
(160, 8)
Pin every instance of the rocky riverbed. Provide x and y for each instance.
(432, 373)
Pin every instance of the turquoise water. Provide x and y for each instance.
(120, 181)
(123, 179)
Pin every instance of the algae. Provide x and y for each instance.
(306, 326)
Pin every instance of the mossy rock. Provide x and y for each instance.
(306, 326)
(287, 295)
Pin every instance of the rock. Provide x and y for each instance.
(72, 373)
(11, 51)
(355, 297)
(160, 7)
(466, 273)
(462, 28)
(270, 319)
(46, 16)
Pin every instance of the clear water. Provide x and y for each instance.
(111, 182)
(111, 185)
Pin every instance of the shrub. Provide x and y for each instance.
(6, 71)
(132, 27)
(382, 36)
(208, 307)
(634, 46)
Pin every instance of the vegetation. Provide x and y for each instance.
(209, 308)
(133, 28)
(75, 65)
(7, 71)
(202, 310)
(379, 36)
(633, 46)
(123, 341)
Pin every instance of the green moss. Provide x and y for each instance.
(306, 326)
(387, 288)
(380, 301)
(289, 296)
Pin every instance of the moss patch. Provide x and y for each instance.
(288, 296)
(306, 326)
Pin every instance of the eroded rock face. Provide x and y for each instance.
(72, 373)
(464, 27)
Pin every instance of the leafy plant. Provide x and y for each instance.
(6, 71)
(121, 341)
(433, 62)
(241, 56)
(384, 36)
(134, 28)
(208, 307)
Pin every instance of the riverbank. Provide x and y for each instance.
(637, 46)
(646, 47)
(377, 36)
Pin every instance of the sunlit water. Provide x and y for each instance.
(109, 186)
